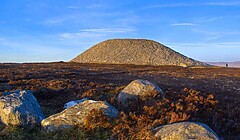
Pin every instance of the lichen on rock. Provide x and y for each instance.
(185, 131)
(76, 115)
(138, 89)
(20, 108)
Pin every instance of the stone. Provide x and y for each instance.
(20, 108)
(73, 103)
(185, 131)
(77, 114)
(137, 89)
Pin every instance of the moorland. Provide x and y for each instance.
(208, 95)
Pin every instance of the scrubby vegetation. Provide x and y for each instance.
(204, 95)
(137, 121)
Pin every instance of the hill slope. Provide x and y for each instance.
(134, 51)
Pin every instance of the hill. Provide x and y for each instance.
(134, 51)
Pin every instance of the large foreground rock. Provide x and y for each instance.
(185, 131)
(20, 108)
(137, 89)
(134, 51)
(76, 115)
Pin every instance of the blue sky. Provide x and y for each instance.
(54, 30)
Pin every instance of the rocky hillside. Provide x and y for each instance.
(134, 51)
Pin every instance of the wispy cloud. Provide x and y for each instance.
(61, 19)
(207, 19)
(169, 5)
(9, 43)
(224, 3)
(211, 35)
(196, 21)
(216, 44)
(194, 4)
(184, 24)
(94, 32)
(34, 46)
(73, 7)
(90, 6)
(37, 50)
(97, 6)
(54, 21)
(107, 30)
(79, 35)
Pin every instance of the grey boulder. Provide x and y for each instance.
(136, 89)
(20, 108)
(77, 114)
(185, 131)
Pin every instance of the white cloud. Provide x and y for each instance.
(94, 33)
(217, 33)
(60, 19)
(97, 6)
(194, 4)
(54, 21)
(184, 24)
(232, 33)
(207, 19)
(229, 43)
(217, 44)
(73, 7)
(170, 5)
(107, 30)
(211, 35)
(224, 3)
(79, 35)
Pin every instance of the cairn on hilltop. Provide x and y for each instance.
(134, 51)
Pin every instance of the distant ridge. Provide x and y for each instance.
(134, 51)
(223, 64)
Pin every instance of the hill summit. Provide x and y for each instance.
(134, 51)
